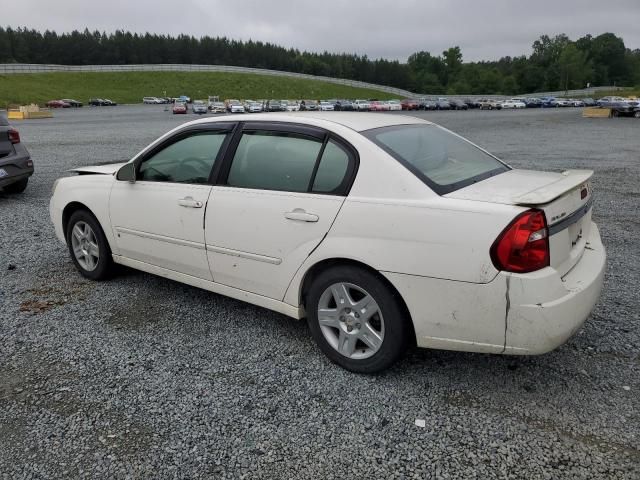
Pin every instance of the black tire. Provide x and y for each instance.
(636, 114)
(396, 324)
(17, 187)
(105, 266)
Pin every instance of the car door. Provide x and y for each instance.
(159, 218)
(278, 193)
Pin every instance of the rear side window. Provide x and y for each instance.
(332, 169)
(274, 161)
(441, 159)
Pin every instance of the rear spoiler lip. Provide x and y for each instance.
(548, 193)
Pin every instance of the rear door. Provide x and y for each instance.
(278, 194)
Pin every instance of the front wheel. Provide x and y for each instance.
(88, 246)
(356, 320)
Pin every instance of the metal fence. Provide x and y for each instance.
(11, 68)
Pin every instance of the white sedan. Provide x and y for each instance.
(514, 103)
(382, 230)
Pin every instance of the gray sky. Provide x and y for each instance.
(484, 29)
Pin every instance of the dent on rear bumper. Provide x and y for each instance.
(546, 310)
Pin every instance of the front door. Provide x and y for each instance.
(277, 198)
(159, 219)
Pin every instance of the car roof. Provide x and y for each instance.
(358, 121)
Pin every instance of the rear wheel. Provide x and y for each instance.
(636, 114)
(88, 246)
(356, 320)
(17, 187)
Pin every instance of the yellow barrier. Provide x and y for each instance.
(28, 112)
(596, 112)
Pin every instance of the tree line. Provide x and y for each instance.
(556, 62)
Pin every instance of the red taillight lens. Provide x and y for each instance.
(524, 245)
(14, 136)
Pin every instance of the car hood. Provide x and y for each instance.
(108, 169)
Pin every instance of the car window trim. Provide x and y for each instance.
(222, 173)
(226, 127)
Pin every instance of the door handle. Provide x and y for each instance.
(300, 215)
(189, 202)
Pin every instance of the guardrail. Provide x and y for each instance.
(11, 68)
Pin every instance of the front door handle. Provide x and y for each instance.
(300, 215)
(189, 202)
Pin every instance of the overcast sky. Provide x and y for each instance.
(393, 29)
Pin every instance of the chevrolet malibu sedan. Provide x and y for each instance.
(381, 230)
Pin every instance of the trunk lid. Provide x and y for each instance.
(564, 197)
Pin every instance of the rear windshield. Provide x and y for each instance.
(441, 159)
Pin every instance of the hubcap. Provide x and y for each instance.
(85, 246)
(351, 320)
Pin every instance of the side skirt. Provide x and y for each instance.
(259, 300)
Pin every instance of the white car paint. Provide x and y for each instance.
(433, 249)
(513, 103)
(394, 105)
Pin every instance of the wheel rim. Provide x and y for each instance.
(85, 246)
(351, 321)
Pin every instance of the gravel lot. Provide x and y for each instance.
(143, 377)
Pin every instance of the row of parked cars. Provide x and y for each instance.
(215, 105)
(71, 103)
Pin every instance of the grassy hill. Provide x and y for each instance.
(130, 87)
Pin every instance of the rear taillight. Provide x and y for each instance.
(14, 136)
(524, 245)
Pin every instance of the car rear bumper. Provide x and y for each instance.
(546, 309)
(17, 166)
(526, 314)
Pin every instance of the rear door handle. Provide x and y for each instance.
(300, 215)
(189, 202)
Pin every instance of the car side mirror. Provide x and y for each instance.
(127, 173)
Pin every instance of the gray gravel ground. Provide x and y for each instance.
(142, 377)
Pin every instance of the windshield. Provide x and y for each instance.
(441, 159)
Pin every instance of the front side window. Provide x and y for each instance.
(441, 159)
(188, 160)
(274, 161)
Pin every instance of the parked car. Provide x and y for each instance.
(151, 100)
(58, 104)
(16, 165)
(490, 104)
(427, 105)
(576, 102)
(273, 106)
(108, 103)
(533, 102)
(471, 103)
(309, 105)
(344, 105)
(72, 102)
(589, 102)
(443, 104)
(326, 219)
(394, 105)
(217, 107)
(378, 106)
(234, 106)
(179, 108)
(458, 104)
(361, 105)
(96, 102)
(253, 107)
(410, 104)
(613, 101)
(325, 106)
(514, 103)
(199, 107)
